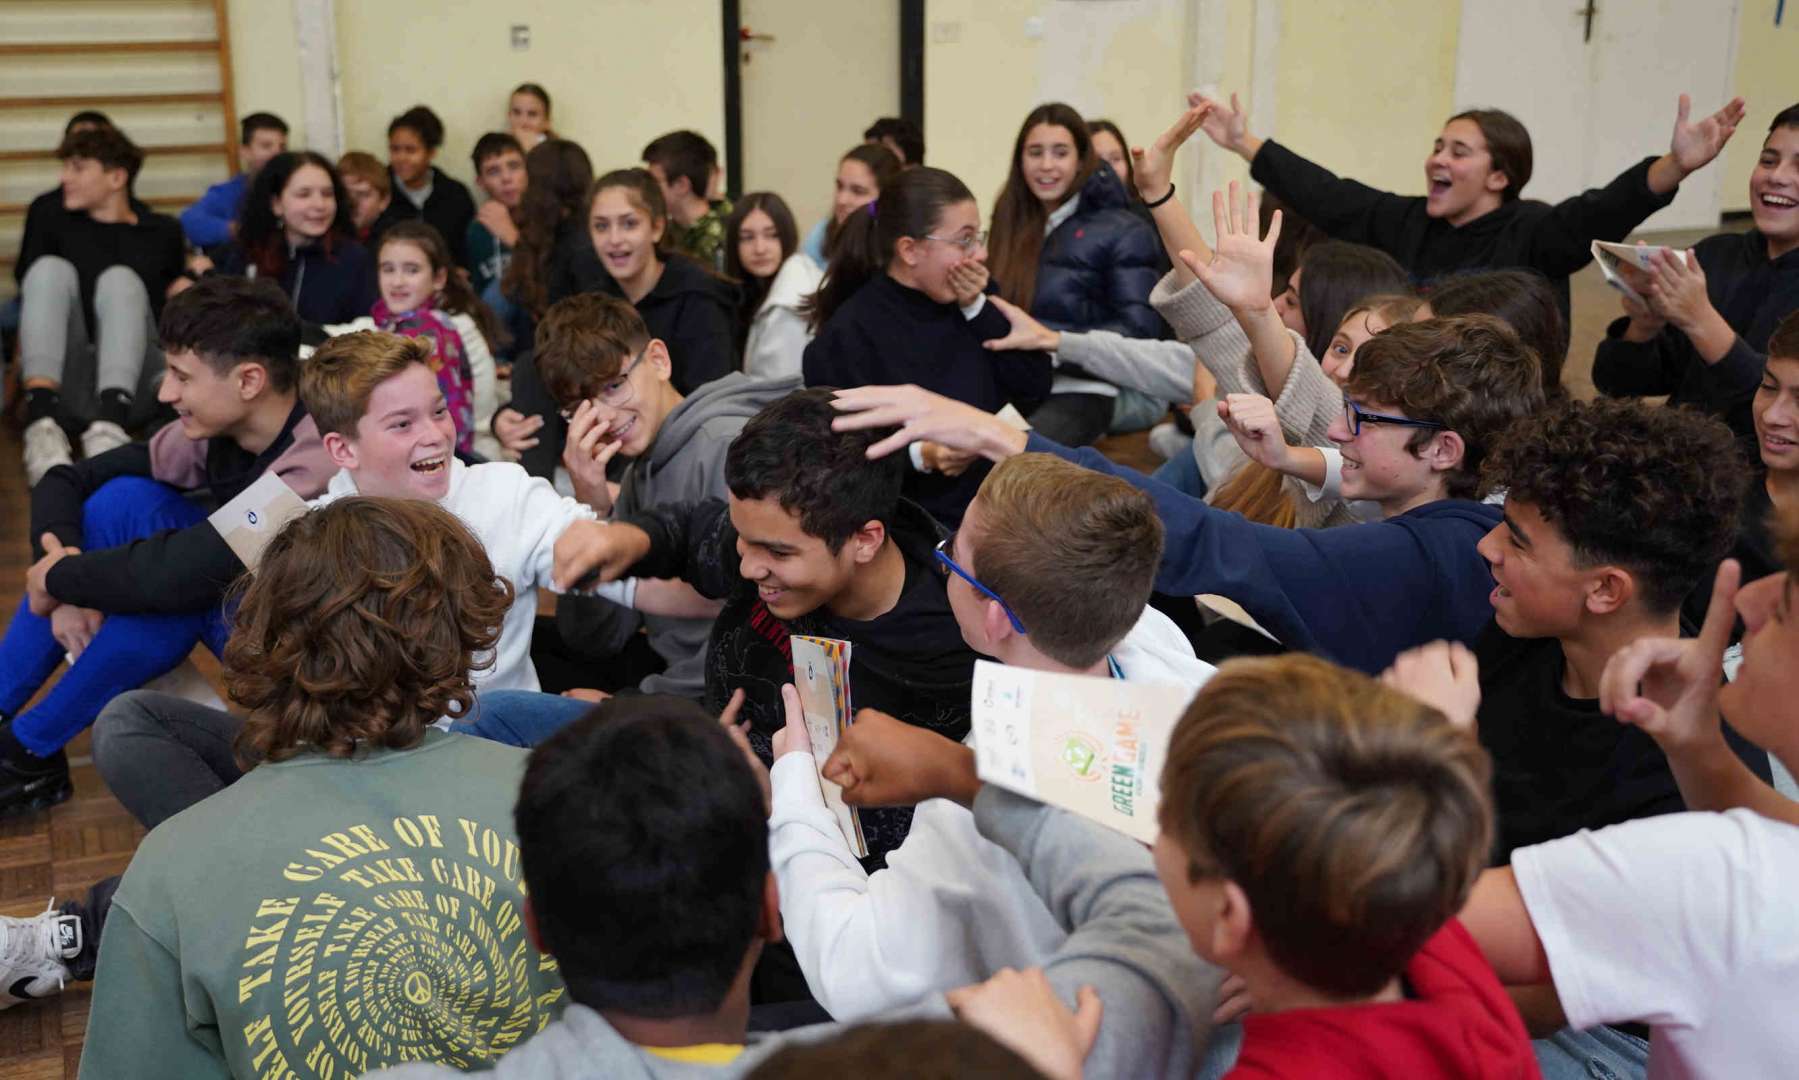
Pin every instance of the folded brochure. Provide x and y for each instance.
(251, 520)
(1088, 744)
(1609, 255)
(821, 674)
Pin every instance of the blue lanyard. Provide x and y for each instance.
(1112, 666)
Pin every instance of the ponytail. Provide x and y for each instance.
(910, 206)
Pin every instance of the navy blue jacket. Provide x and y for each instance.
(1359, 594)
(1098, 267)
(326, 287)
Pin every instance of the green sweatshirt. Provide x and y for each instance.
(325, 917)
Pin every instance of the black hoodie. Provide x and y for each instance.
(910, 662)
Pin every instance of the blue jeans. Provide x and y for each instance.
(1600, 1053)
(521, 717)
(128, 650)
(1182, 473)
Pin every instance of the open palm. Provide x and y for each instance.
(1695, 144)
(1241, 273)
(1154, 165)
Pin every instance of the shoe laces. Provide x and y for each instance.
(28, 943)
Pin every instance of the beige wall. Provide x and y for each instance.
(1767, 59)
(265, 61)
(621, 72)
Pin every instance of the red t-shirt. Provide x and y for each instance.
(1457, 1022)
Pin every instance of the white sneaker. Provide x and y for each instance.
(101, 436)
(1166, 441)
(34, 955)
(46, 447)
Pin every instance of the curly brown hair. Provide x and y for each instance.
(583, 342)
(1470, 373)
(1355, 818)
(1654, 490)
(360, 628)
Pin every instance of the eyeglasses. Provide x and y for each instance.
(948, 566)
(966, 243)
(1353, 414)
(618, 390)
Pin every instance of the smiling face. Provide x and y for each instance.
(624, 235)
(1112, 152)
(1759, 701)
(207, 404)
(645, 398)
(307, 206)
(1774, 191)
(794, 572)
(759, 245)
(1050, 163)
(503, 178)
(366, 201)
(408, 157)
(525, 114)
(856, 188)
(1379, 466)
(87, 184)
(1461, 184)
(1339, 358)
(926, 262)
(403, 442)
(408, 279)
(1538, 591)
(1776, 411)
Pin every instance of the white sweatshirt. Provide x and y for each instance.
(951, 908)
(484, 390)
(778, 334)
(517, 517)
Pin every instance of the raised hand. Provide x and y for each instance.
(1228, 126)
(1257, 428)
(1669, 686)
(1677, 289)
(1021, 1011)
(1443, 675)
(923, 416)
(1241, 271)
(1695, 144)
(1153, 166)
(883, 761)
(1027, 332)
(586, 455)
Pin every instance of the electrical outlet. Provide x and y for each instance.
(521, 36)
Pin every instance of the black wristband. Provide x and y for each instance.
(1163, 199)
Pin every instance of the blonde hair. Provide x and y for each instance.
(1354, 817)
(336, 383)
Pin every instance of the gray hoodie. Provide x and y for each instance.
(1123, 941)
(685, 463)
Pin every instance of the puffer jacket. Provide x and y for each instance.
(1099, 265)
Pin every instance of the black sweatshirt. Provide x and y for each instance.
(153, 248)
(177, 570)
(448, 209)
(1752, 293)
(910, 662)
(1554, 240)
(888, 334)
(1559, 764)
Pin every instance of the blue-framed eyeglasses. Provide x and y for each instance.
(948, 565)
(1353, 414)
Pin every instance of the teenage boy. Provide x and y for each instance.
(685, 164)
(130, 574)
(657, 952)
(500, 174)
(1423, 405)
(96, 276)
(899, 135)
(814, 539)
(1472, 218)
(612, 379)
(1319, 833)
(1050, 570)
(354, 901)
(213, 220)
(1614, 512)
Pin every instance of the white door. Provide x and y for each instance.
(1594, 107)
(815, 73)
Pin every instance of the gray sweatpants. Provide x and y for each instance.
(53, 334)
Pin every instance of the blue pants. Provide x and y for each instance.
(128, 651)
(521, 717)
(1182, 473)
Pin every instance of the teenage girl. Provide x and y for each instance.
(761, 253)
(295, 229)
(528, 115)
(413, 138)
(861, 175)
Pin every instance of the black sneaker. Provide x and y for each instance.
(29, 783)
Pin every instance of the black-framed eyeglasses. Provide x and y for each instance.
(948, 565)
(618, 390)
(1355, 417)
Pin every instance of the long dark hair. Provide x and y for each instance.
(1337, 276)
(262, 236)
(880, 161)
(1015, 241)
(754, 290)
(457, 297)
(1523, 300)
(1130, 166)
(910, 206)
(558, 176)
